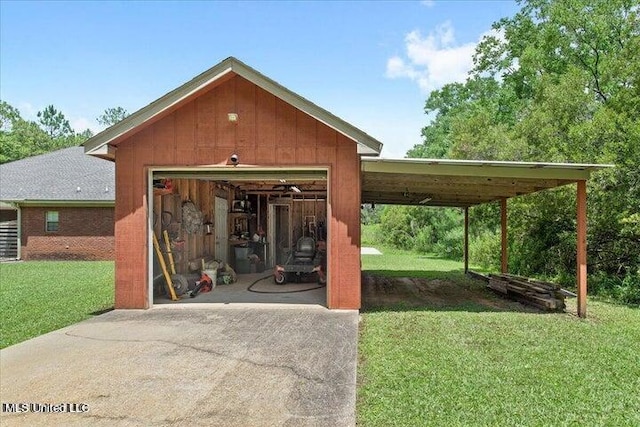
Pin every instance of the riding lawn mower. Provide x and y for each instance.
(307, 259)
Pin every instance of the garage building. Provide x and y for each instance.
(233, 160)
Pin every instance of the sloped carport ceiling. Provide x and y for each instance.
(460, 183)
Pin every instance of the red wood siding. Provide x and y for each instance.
(268, 132)
(84, 233)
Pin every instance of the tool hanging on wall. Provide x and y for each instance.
(192, 218)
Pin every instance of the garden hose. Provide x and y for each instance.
(279, 292)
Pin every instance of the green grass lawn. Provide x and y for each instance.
(400, 263)
(40, 296)
(457, 367)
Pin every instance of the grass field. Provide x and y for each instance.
(454, 366)
(37, 297)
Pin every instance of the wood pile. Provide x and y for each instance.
(544, 295)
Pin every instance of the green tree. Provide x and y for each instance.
(8, 116)
(369, 214)
(423, 229)
(18, 137)
(558, 81)
(54, 123)
(111, 116)
(21, 138)
(25, 139)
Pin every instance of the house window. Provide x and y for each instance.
(52, 221)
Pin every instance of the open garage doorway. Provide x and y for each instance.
(240, 235)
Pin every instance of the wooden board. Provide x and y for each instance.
(528, 291)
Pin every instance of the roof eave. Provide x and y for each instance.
(157, 107)
(63, 203)
(567, 171)
(106, 152)
(367, 145)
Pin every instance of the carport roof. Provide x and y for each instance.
(461, 183)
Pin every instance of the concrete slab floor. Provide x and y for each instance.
(369, 251)
(264, 291)
(225, 365)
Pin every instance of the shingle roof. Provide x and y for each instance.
(62, 175)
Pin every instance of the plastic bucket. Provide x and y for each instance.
(243, 266)
(242, 252)
(212, 275)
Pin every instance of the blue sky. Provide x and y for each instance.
(370, 63)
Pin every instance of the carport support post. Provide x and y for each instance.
(503, 244)
(581, 267)
(466, 240)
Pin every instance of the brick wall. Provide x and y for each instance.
(84, 233)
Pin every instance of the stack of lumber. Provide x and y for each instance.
(547, 296)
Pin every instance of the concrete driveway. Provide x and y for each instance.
(258, 365)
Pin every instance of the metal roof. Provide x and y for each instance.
(66, 176)
(99, 144)
(461, 183)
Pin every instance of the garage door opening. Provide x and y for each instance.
(238, 236)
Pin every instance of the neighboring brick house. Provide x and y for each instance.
(58, 205)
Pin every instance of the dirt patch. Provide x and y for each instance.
(382, 291)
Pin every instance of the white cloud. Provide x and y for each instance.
(396, 68)
(27, 110)
(80, 124)
(434, 60)
(428, 3)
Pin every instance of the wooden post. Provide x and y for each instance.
(581, 267)
(466, 240)
(503, 226)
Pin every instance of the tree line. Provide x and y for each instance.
(20, 138)
(557, 82)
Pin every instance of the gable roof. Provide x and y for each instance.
(56, 177)
(99, 144)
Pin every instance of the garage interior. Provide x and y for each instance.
(235, 226)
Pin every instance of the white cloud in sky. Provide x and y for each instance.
(433, 60)
(80, 124)
(27, 110)
(428, 3)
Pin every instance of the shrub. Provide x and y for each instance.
(628, 291)
(484, 250)
(424, 240)
(450, 245)
(371, 235)
(621, 289)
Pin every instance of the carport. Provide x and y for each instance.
(466, 183)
